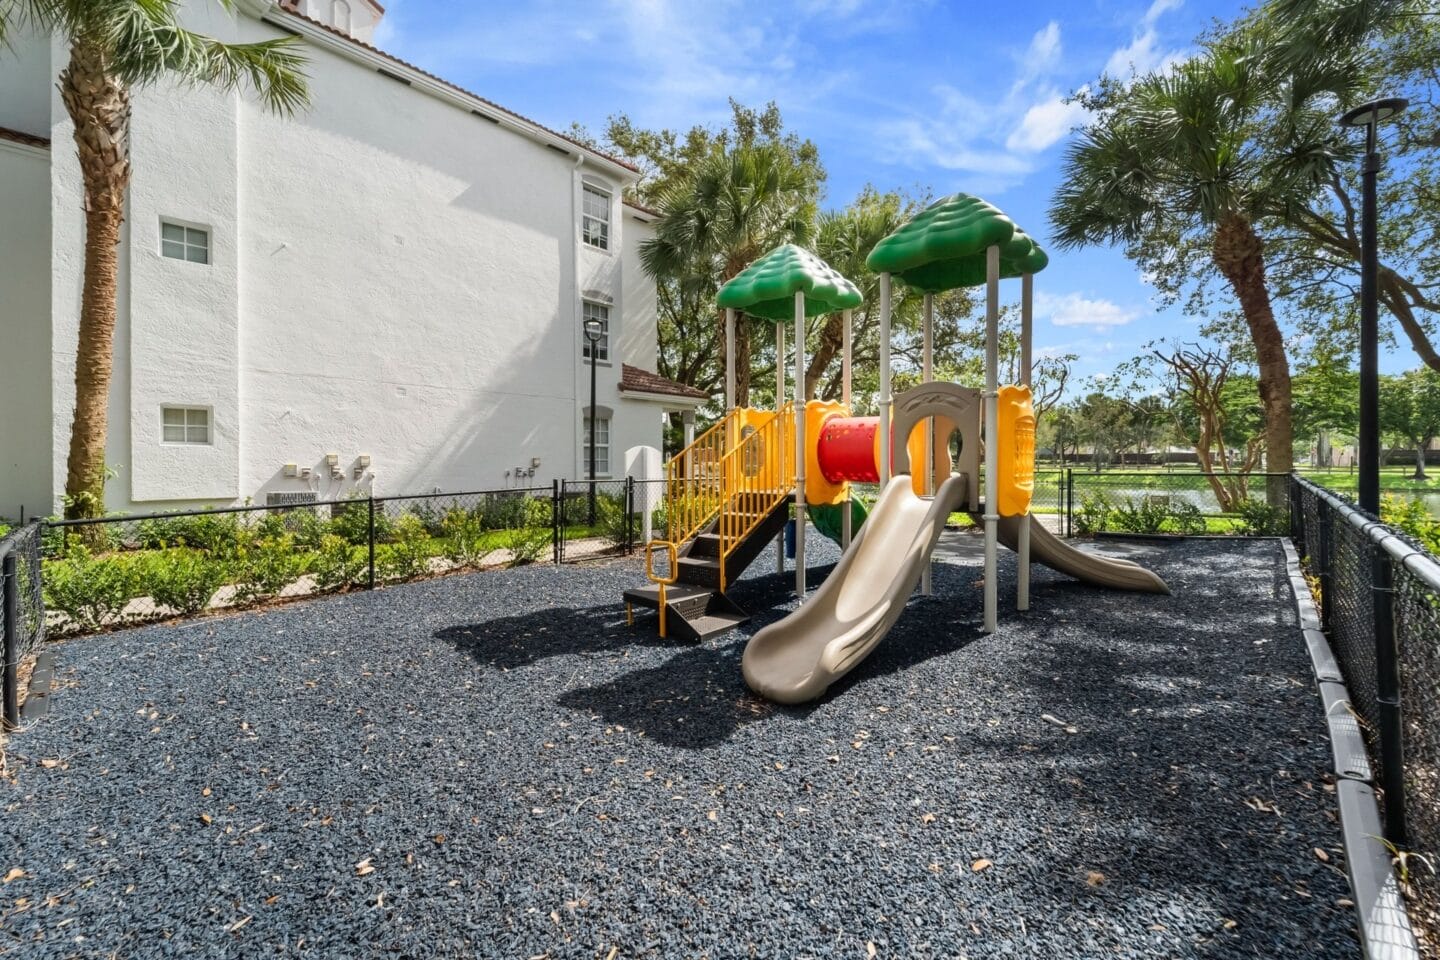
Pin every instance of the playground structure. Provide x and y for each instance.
(730, 492)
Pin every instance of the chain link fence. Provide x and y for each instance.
(1380, 607)
(1185, 504)
(22, 612)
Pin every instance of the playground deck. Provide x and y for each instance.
(494, 765)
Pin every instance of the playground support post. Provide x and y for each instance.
(800, 444)
(779, 404)
(885, 398)
(927, 374)
(729, 359)
(845, 377)
(1022, 577)
(992, 431)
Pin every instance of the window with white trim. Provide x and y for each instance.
(179, 242)
(589, 310)
(602, 445)
(595, 217)
(340, 15)
(185, 425)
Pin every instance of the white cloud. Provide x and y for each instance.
(1144, 53)
(1044, 47)
(1045, 123)
(1077, 310)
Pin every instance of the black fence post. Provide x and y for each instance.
(10, 574)
(557, 519)
(1069, 501)
(1324, 562)
(629, 515)
(370, 538)
(1387, 685)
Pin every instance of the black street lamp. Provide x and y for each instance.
(1369, 116)
(594, 330)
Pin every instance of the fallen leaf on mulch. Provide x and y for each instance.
(364, 867)
(15, 873)
(981, 864)
(1095, 878)
(1321, 855)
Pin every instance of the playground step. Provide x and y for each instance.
(692, 613)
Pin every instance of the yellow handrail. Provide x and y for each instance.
(695, 488)
(759, 474)
(665, 581)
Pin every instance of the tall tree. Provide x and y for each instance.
(1410, 409)
(1173, 160)
(117, 46)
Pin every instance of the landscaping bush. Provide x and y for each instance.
(352, 521)
(337, 563)
(267, 568)
(309, 528)
(1259, 519)
(1411, 515)
(183, 579)
(532, 536)
(91, 591)
(409, 555)
(1093, 515)
(611, 521)
(465, 540)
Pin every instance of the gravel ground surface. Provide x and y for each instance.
(494, 765)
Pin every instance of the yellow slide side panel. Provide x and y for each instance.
(1016, 448)
(817, 489)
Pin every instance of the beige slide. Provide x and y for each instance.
(1084, 566)
(796, 659)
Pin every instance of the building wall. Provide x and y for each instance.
(25, 84)
(25, 416)
(391, 278)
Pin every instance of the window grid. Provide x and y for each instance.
(595, 222)
(595, 311)
(602, 446)
(185, 425)
(184, 243)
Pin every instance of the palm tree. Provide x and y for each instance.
(117, 46)
(1176, 155)
(736, 205)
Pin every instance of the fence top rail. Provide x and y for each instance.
(13, 537)
(272, 507)
(1420, 564)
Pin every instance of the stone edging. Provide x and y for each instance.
(37, 695)
(1385, 932)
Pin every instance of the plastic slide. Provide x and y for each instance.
(796, 659)
(1091, 568)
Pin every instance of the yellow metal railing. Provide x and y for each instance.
(732, 475)
(759, 473)
(694, 487)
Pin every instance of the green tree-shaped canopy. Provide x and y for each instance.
(944, 246)
(768, 286)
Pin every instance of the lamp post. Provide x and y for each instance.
(1369, 116)
(594, 330)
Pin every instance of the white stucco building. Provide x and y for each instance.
(386, 291)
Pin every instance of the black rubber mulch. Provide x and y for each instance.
(494, 765)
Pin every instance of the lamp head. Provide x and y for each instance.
(593, 330)
(1369, 114)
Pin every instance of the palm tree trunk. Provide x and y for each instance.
(1239, 253)
(99, 105)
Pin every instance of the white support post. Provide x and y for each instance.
(687, 419)
(800, 444)
(779, 402)
(1027, 301)
(885, 398)
(729, 359)
(846, 359)
(992, 430)
(927, 470)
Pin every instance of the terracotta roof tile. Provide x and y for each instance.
(291, 11)
(643, 381)
(633, 205)
(16, 136)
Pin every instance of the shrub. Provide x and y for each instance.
(271, 525)
(1259, 519)
(183, 579)
(91, 591)
(1411, 515)
(266, 569)
(525, 544)
(1093, 516)
(465, 540)
(310, 529)
(1186, 519)
(409, 556)
(611, 521)
(217, 533)
(338, 564)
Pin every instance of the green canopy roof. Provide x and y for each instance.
(944, 246)
(768, 286)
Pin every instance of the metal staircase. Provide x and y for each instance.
(727, 495)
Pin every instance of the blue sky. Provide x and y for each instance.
(938, 96)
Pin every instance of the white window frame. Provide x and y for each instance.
(186, 426)
(603, 344)
(602, 230)
(603, 423)
(186, 243)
